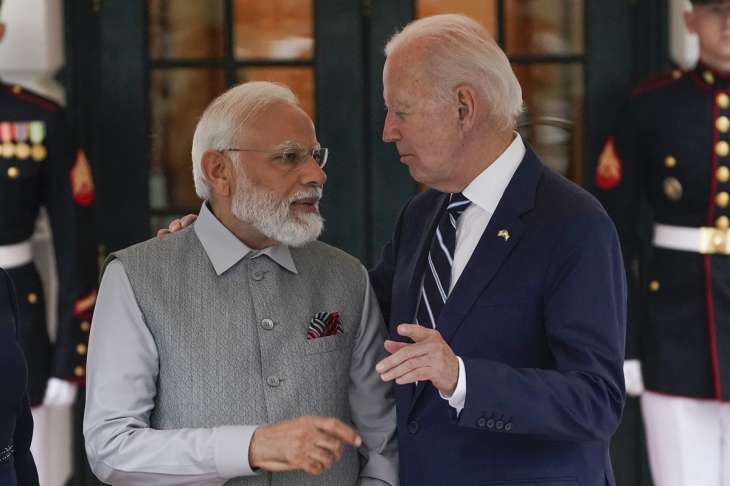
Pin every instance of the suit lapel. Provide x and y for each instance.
(492, 250)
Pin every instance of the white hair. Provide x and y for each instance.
(225, 118)
(459, 50)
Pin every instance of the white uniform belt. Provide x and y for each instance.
(16, 255)
(705, 240)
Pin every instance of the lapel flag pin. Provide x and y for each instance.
(503, 234)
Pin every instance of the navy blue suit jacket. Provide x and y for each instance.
(539, 321)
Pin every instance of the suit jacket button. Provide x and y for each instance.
(273, 381)
(499, 425)
(508, 426)
(413, 427)
(482, 422)
(257, 276)
(490, 423)
(267, 324)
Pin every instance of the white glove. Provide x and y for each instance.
(59, 393)
(632, 377)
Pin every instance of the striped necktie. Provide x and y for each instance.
(437, 275)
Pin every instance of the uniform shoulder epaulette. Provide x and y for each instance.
(657, 81)
(25, 94)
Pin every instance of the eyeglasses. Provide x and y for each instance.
(293, 156)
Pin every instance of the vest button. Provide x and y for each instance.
(413, 427)
(490, 423)
(273, 381)
(267, 324)
(508, 426)
(257, 276)
(499, 425)
(482, 422)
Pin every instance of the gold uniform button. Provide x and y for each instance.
(13, 172)
(676, 74)
(654, 286)
(723, 174)
(85, 326)
(81, 349)
(723, 100)
(672, 188)
(722, 222)
(708, 77)
(32, 297)
(722, 199)
(722, 124)
(722, 148)
(17, 89)
(670, 161)
(79, 371)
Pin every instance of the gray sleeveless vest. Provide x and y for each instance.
(232, 348)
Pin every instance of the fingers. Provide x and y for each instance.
(394, 346)
(188, 219)
(406, 352)
(338, 430)
(175, 225)
(419, 365)
(163, 232)
(416, 331)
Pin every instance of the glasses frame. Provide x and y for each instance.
(324, 150)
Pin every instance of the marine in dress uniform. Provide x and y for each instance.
(670, 154)
(40, 166)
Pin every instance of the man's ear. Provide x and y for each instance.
(218, 171)
(466, 98)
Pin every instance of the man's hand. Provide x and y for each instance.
(427, 358)
(311, 444)
(178, 224)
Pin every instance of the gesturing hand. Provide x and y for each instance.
(427, 358)
(311, 444)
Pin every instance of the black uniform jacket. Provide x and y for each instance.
(41, 166)
(668, 162)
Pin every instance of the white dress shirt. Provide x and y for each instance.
(485, 192)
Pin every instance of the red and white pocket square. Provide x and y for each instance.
(324, 324)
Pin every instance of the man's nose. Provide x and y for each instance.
(312, 174)
(390, 131)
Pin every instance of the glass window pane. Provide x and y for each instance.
(273, 29)
(553, 121)
(185, 29)
(177, 98)
(299, 79)
(544, 26)
(484, 11)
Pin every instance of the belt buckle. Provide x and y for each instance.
(713, 241)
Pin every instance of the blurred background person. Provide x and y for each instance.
(16, 427)
(670, 154)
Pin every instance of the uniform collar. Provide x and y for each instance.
(487, 188)
(224, 249)
(711, 77)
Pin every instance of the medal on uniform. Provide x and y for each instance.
(37, 134)
(6, 136)
(22, 149)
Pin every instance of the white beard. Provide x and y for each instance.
(274, 218)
